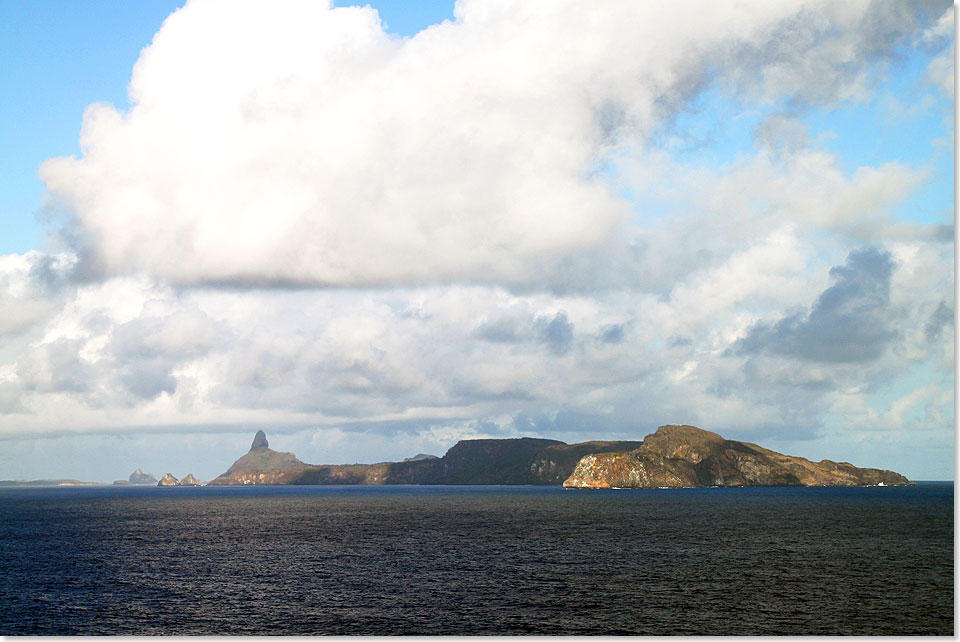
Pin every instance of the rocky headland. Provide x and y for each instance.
(472, 461)
(262, 465)
(687, 456)
(168, 480)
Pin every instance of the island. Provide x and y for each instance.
(34, 483)
(672, 457)
(190, 480)
(137, 478)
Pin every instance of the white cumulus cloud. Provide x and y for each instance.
(289, 142)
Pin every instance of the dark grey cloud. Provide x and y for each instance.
(940, 318)
(502, 330)
(557, 333)
(847, 323)
(57, 367)
(943, 233)
(49, 274)
(147, 349)
(147, 379)
(821, 65)
(612, 333)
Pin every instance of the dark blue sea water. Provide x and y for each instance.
(476, 560)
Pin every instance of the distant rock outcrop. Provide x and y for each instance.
(168, 480)
(140, 477)
(686, 456)
(190, 480)
(47, 482)
(421, 457)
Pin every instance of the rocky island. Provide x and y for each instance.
(687, 456)
(190, 480)
(672, 457)
(137, 478)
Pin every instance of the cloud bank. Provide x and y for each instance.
(304, 145)
(495, 227)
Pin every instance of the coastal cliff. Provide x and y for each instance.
(686, 456)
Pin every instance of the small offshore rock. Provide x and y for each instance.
(190, 480)
(168, 480)
(421, 457)
(140, 477)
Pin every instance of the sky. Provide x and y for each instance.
(372, 231)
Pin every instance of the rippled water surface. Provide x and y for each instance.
(476, 560)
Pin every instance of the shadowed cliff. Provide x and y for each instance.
(472, 461)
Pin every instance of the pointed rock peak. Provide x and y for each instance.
(140, 477)
(260, 441)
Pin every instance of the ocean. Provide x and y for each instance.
(453, 560)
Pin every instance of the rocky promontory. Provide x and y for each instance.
(261, 465)
(687, 456)
(471, 461)
(168, 480)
